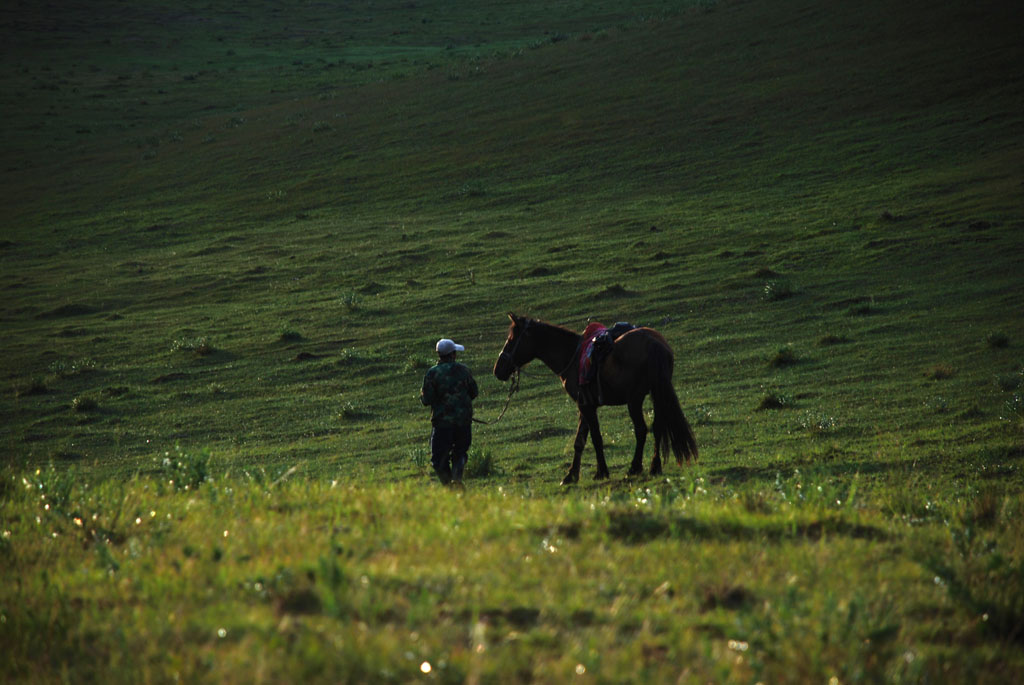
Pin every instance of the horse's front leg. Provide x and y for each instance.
(636, 413)
(656, 459)
(589, 414)
(581, 441)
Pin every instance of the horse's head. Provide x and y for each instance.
(518, 349)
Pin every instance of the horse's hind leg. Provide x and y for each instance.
(589, 414)
(636, 413)
(581, 441)
(656, 460)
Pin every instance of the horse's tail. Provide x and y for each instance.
(671, 429)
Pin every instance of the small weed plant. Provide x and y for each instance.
(200, 346)
(1013, 410)
(481, 465)
(351, 411)
(351, 301)
(67, 368)
(703, 415)
(776, 290)
(783, 357)
(819, 424)
(420, 457)
(185, 470)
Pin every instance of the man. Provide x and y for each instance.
(449, 391)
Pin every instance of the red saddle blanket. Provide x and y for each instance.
(590, 334)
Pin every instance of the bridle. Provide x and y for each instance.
(511, 355)
(513, 387)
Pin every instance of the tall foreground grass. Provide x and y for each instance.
(269, 577)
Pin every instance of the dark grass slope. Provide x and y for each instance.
(678, 168)
(699, 103)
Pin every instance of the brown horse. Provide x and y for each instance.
(640, 364)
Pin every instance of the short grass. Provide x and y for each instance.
(199, 574)
(232, 235)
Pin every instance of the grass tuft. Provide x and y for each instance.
(1009, 382)
(784, 356)
(937, 405)
(185, 470)
(351, 302)
(84, 403)
(861, 310)
(727, 597)
(289, 335)
(997, 340)
(417, 364)
(830, 339)
(766, 273)
(983, 510)
(482, 465)
(774, 400)
(350, 356)
(756, 502)
(776, 290)
(200, 347)
(615, 290)
(352, 411)
(980, 578)
(939, 372)
(35, 386)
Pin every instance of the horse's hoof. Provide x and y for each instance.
(635, 472)
(570, 479)
(602, 475)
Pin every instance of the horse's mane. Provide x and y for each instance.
(550, 327)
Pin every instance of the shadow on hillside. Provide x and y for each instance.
(638, 527)
(985, 463)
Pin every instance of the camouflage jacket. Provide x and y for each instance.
(449, 391)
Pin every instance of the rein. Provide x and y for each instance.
(573, 359)
(513, 388)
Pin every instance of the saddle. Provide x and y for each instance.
(598, 342)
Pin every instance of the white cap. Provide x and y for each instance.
(446, 347)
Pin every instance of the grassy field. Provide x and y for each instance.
(232, 235)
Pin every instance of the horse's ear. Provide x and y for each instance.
(512, 317)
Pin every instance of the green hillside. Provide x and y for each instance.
(657, 170)
(232, 235)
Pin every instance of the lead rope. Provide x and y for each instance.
(513, 388)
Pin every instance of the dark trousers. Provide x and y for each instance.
(448, 448)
